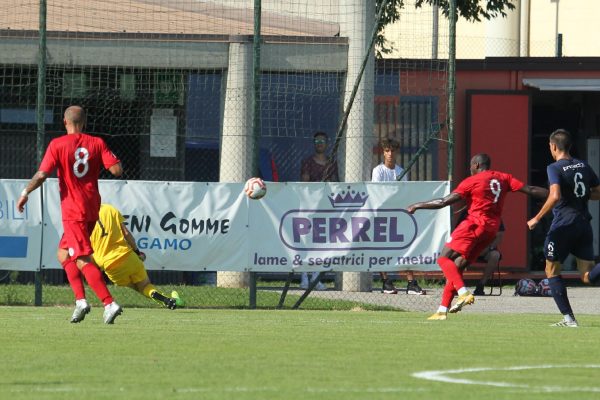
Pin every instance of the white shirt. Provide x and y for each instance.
(381, 173)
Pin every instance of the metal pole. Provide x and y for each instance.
(255, 119)
(556, 19)
(436, 31)
(256, 80)
(40, 110)
(340, 131)
(451, 86)
(252, 291)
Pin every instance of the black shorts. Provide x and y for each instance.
(576, 238)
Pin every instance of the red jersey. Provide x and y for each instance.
(484, 193)
(319, 172)
(78, 159)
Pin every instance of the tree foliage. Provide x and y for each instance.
(471, 10)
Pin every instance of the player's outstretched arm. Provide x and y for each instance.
(435, 203)
(33, 184)
(553, 198)
(535, 191)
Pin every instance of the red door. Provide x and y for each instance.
(498, 123)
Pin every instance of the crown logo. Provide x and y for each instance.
(348, 198)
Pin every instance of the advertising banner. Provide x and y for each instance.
(195, 226)
(347, 227)
(20, 233)
(186, 226)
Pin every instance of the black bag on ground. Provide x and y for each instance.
(526, 287)
(544, 288)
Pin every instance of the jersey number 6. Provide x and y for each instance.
(579, 185)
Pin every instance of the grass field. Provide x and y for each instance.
(268, 354)
(195, 297)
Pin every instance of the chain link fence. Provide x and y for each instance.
(169, 86)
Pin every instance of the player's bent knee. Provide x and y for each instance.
(141, 285)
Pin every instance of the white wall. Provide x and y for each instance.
(577, 21)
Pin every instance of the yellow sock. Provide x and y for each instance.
(149, 289)
(151, 292)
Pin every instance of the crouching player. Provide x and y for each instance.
(116, 252)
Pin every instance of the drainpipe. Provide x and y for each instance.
(524, 29)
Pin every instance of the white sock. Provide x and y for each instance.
(462, 291)
(442, 309)
(81, 302)
(568, 318)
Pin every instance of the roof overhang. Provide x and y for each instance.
(563, 85)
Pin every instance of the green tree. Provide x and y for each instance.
(471, 10)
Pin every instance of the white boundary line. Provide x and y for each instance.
(445, 376)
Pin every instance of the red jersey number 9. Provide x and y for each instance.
(81, 166)
(496, 189)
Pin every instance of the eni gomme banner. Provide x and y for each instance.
(184, 226)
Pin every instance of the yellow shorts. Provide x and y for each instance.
(128, 270)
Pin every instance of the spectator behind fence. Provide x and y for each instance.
(78, 159)
(390, 171)
(318, 168)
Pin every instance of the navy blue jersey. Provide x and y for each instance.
(575, 178)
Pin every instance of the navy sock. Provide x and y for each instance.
(594, 275)
(559, 292)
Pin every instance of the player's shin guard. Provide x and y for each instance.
(95, 280)
(74, 278)
(451, 272)
(559, 293)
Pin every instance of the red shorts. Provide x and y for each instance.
(76, 238)
(469, 240)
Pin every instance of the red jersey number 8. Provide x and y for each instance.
(81, 166)
(496, 189)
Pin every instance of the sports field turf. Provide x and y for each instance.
(267, 354)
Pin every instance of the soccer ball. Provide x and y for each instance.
(255, 188)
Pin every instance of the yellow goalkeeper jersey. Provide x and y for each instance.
(107, 239)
